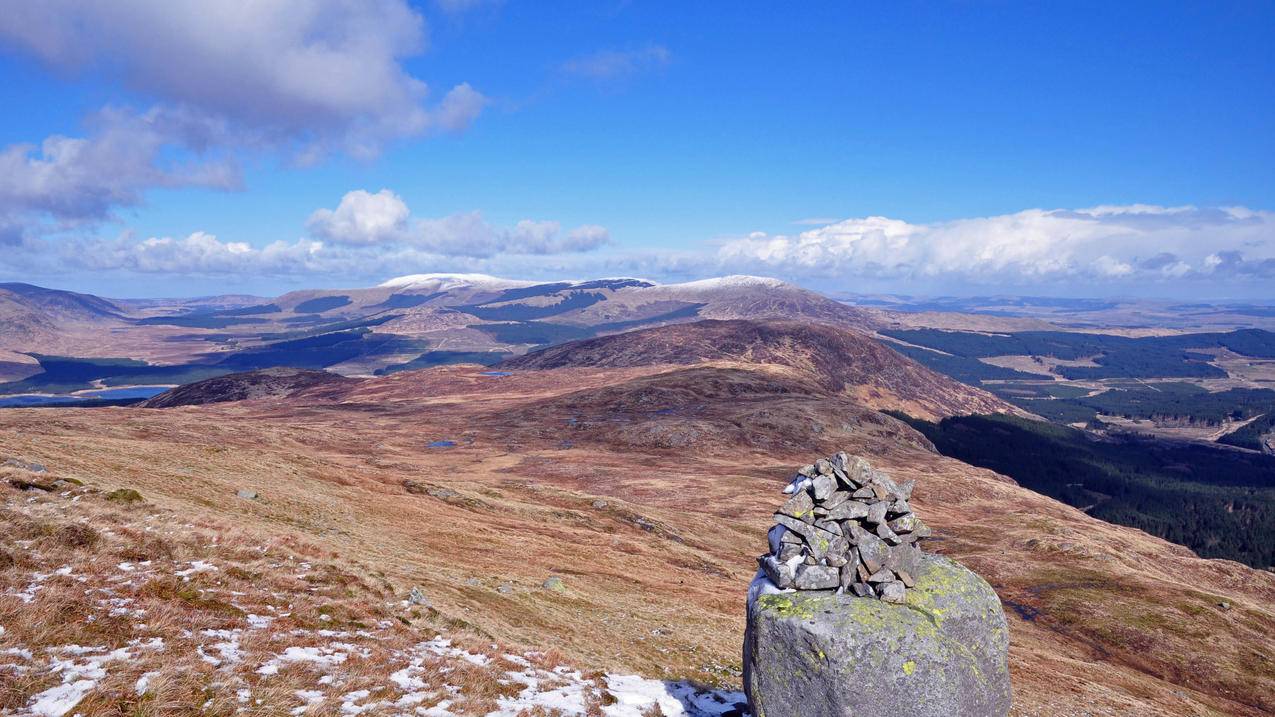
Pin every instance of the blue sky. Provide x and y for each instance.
(1052, 148)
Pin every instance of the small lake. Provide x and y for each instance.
(126, 392)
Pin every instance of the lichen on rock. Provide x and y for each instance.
(936, 646)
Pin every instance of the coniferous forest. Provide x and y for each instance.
(1219, 502)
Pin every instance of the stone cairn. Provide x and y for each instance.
(846, 527)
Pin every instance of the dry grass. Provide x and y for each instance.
(168, 617)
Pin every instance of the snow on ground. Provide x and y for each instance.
(250, 655)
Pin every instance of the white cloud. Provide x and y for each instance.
(614, 64)
(1105, 243)
(365, 219)
(361, 219)
(68, 181)
(312, 71)
(198, 253)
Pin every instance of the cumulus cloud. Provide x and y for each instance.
(314, 71)
(1105, 244)
(614, 64)
(198, 253)
(382, 219)
(75, 179)
(362, 219)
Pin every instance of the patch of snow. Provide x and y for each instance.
(57, 701)
(196, 566)
(321, 657)
(143, 683)
(443, 282)
(735, 281)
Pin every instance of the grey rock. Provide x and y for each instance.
(893, 591)
(862, 590)
(903, 558)
(504, 588)
(555, 584)
(840, 461)
(790, 538)
(873, 551)
(900, 507)
(838, 552)
(884, 533)
(850, 510)
(857, 533)
(806, 531)
(798, 506)
(884, 575)
(906, 578)
(779, 572)
(29, 466)
(823, 486)
(864, 493)
(858, 470)
(836, 499)
(820, 543)
(247, 494)
(831, 526)
(817, 577)
(417, 597)
(876, 513)
(807, 471)
(788, 551)
(942, 653)
(903, 523)
(823, 467)
(600, 504)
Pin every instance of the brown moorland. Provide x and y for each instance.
(647, 489)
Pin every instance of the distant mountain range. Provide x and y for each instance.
(409, 322)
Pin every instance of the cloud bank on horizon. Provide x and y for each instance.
(202, 95)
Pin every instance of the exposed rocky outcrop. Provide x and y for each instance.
(848, 616)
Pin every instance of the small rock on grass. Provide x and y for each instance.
(555, 584)
(127, 496)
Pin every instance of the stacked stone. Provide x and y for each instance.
(846, 527)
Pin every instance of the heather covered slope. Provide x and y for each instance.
(479, 487)
(838, 359)
(267, 383)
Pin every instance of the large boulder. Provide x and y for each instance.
(941, 653)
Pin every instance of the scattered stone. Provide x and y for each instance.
(247, 494)
(1224, 605)
(126, 496)
(555, 584)
(504, 588)
(26, 465)
(418, 597)
(600, 504)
